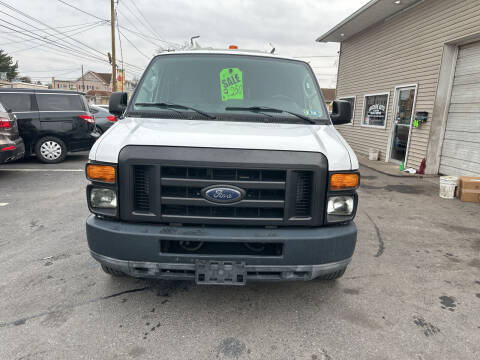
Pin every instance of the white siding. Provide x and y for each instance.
(461, 146)
(405, 49)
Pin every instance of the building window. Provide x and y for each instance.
(351, 101)
(375, 108)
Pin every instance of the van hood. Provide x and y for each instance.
(225, 134)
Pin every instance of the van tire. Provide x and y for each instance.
(57, 146)
(331, 276)
(108, 270)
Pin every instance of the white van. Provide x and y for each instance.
(224, 167)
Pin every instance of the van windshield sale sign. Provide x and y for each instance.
(231, 84)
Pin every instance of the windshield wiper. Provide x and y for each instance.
(178, 106)
(266, 108)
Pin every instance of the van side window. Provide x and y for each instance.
(17, 102)
(54, 102)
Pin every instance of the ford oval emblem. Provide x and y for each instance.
(223, 194)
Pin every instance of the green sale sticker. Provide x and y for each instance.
(231, 84)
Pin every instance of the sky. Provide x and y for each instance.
(146, 26)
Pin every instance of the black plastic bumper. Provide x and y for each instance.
(135, 249)
(12, 155)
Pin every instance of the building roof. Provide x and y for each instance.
(329, 94)
(106, 77)
(372, 13)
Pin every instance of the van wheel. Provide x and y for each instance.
(108, 270)
(50, 150)
(332, 276)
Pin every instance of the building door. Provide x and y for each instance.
(461, 144)
(402, 122)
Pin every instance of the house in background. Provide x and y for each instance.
(97, 86)
(411, 70)
(91, 80)
(328, 96)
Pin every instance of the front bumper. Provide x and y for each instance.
(135, 249)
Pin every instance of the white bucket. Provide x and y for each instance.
(448, 185)
(373, 154)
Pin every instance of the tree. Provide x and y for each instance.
(7, 65)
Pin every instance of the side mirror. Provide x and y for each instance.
(117, 103)
(341, 112)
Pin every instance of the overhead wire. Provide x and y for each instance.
(146, 21)
(34, 47)
(63, 52)
(122, 27)
(76, 40)
(137, 32)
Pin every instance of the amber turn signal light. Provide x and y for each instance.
(103, 173)
(344, 181)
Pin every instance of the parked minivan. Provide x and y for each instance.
(11, 144)
(51, 122)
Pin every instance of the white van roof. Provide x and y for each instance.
(230, 52)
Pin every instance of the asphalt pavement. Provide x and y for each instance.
(412, 290)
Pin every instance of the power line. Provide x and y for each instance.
(66, 51)
(50, 42)
(138, 32)
(68, 46)
(44, 24)
(83, 11)
(124, 3)
(149, 28)
(34, 47)
(57, 27)
(51, 70)
(65, 46)
(131, 43)
(146, 20)
(122, 27)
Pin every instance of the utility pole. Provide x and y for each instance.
(83, 81)
(114, 63)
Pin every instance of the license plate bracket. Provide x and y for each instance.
(213, 272)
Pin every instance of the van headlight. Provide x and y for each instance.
(103, 198)
(340, 208)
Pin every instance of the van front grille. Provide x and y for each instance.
(181, 193)
(303, 194)
(141, 187)
(168, 185)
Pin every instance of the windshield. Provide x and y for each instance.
(227, 85)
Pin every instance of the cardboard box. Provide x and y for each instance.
(469, 189)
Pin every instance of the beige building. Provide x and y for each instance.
(21, 85)
(89, 81)
(411, 70)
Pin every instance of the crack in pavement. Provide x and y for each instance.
(381, 244)
(23, 320)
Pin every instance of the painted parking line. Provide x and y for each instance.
(3, 204)
(44, 170)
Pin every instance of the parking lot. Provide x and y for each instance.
(411, 292)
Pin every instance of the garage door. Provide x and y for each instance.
(461, 145)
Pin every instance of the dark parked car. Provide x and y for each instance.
(11, 144)
(103, 119)
(51, 122)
